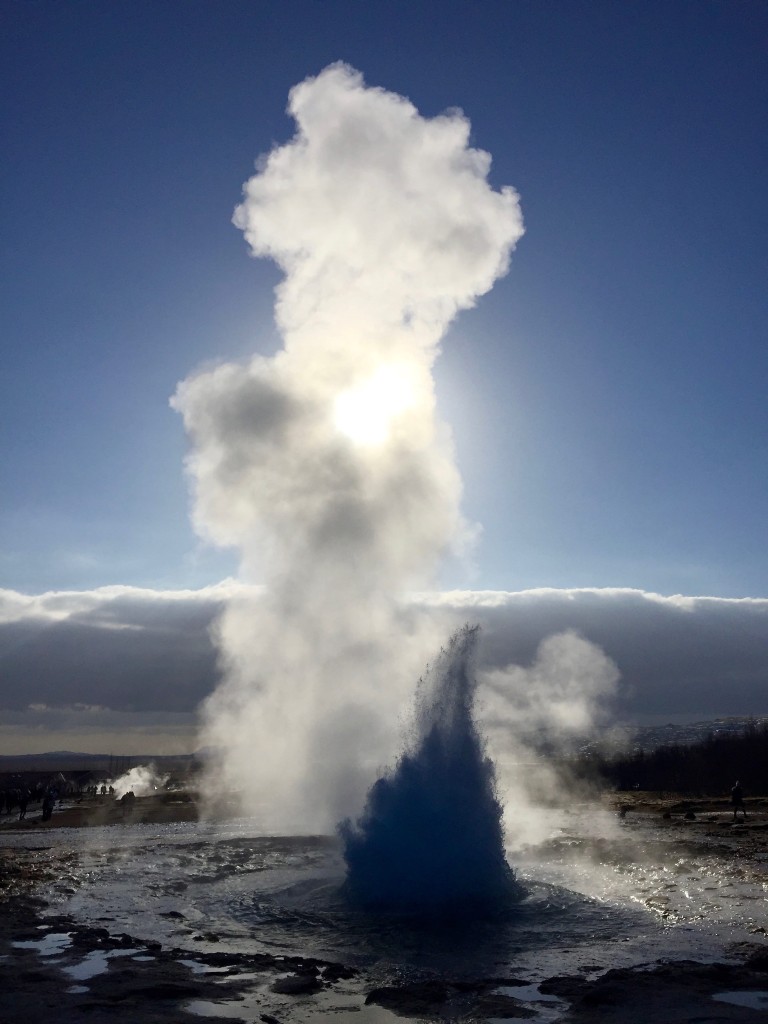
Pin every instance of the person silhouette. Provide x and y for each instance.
(737, 800)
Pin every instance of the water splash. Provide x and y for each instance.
(430, 838)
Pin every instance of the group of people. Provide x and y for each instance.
(17, 797)
(96, 791)
(21, 797)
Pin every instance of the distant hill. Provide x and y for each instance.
(54, 755)
(70, 760)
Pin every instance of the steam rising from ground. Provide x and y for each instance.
(326, 466)
(534, 715)
(142, 780)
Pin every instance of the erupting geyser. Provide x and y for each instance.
(430, 838)
(326, 465)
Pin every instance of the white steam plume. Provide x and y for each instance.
(530, 713)
(326, 465)
(143, 780)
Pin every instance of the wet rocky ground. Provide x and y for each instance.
(58, 970)
(46, 964)
(55, 969)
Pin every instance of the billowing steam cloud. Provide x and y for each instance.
(531, 712)
(142, 780)
(560, 694)
(326, 466)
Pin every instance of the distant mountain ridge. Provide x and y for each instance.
(74, 760)
(52, 755)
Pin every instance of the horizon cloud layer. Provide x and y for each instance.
(127, 661)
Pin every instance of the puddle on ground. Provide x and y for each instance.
(50, 945)
(94, 963)
(527, 994)
(206, 1008)
(754, 1000)
(197, 968)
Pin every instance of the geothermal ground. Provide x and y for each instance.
(634, 918)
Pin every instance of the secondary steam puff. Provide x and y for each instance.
(326, 465)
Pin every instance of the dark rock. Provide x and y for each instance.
(29, 935)
(564, 985)
(211, 959)
(758, 961)
(423, 997)
(93, 937)
(165, 990)
(474, 986)
(338, 972)
(297, 985)
(603, 995)
(495, 983)
(30, 976)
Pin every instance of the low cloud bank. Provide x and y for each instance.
(120, 648)
(120, 661)
(677, 655)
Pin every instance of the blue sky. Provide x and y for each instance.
(608, 397)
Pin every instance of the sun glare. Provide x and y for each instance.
(365, 413)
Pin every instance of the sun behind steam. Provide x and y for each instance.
(366, 412)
